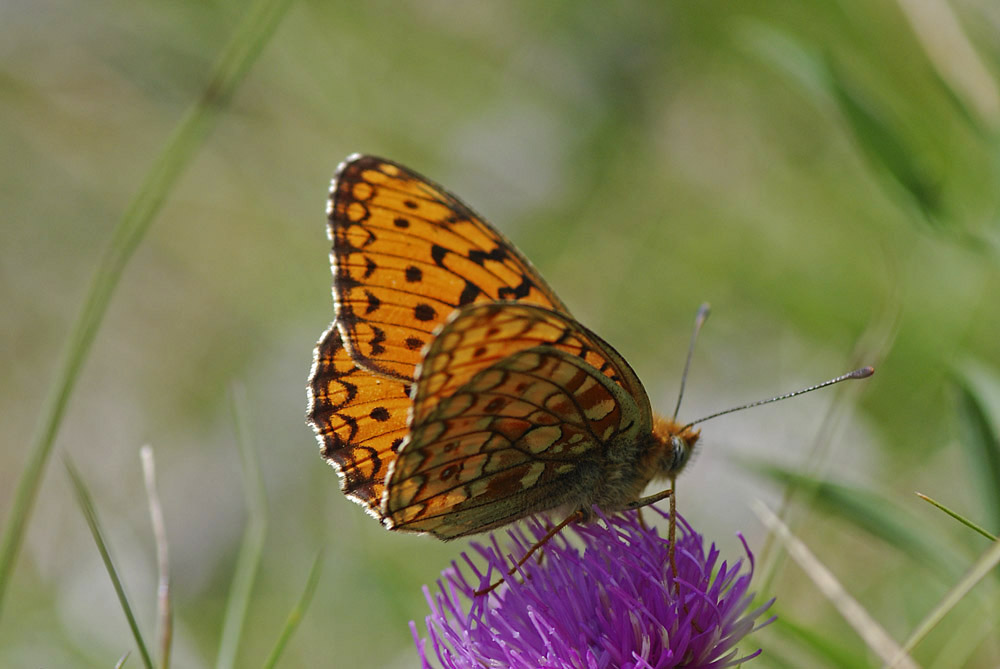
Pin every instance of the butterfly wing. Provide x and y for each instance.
(359, 419)
(405, 254)
(515, 410)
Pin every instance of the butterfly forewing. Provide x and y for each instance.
(511, 415)
(406, 253)
(360, 420)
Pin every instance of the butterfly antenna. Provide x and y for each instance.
(862, 373)
(699, 320)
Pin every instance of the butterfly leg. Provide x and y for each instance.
(672, 531)
(671, 534)
(650, 499)
(553, 531)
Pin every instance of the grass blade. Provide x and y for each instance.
(790, 57)
(874, 514)
(295, 615)
(960, 69)
(978, 433)
(820, 645)
(856, 616)
(884, 148)
(90, 514)
(966, 637)
(874, 133)
(252, 545)
(165, 618)
(259, 23)
(985, 564)
(957, 516)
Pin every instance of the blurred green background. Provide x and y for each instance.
(825, 174)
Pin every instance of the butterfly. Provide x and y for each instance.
(454, 392)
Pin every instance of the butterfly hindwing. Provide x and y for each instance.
(480, 335)
(512, 414)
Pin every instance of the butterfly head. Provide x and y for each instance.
(673, 443)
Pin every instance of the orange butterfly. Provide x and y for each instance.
(454, 392)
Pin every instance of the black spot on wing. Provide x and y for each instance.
(352, 391)
(520, 291)
(377, 340)
(438, 253)
(424, 312)
(352, 425)
(373, 302)
(469, 293)
(479, 257)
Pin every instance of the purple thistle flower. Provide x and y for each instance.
(613, 604)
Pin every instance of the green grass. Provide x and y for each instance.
(252, 546)
(86, 502)
(261, 21)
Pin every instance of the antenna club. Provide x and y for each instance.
(862, 373)
(703, 311)
(699, 321)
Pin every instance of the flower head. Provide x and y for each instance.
(612, 603)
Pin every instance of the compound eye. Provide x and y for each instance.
(681, 451)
